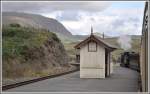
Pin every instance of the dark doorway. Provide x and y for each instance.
(106, 63)
(78, 58)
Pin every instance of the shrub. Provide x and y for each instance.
(15, 25)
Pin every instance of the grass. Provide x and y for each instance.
(70, 50)
(17, 40)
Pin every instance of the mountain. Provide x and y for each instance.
(36, 21)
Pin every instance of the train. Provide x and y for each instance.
(144, 51)
(141, 64)
(130, 60)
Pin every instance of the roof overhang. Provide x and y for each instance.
(95, 39)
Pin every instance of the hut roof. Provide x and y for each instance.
(98, 40)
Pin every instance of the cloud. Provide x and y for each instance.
(68, 15)
(112, 25)
(44, 7)
(53, 14)
(78, 16)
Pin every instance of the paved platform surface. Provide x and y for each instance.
(122, 80)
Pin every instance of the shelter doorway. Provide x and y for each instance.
(106, 63)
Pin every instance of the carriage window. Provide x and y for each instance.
(92, 47)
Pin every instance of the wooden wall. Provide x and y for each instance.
(144, 51)
(92, 64)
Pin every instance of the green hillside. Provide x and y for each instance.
(17, 39)
(29, 52)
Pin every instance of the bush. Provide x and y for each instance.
(55, 37)
(15, 25)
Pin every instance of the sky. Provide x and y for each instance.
(114, 18)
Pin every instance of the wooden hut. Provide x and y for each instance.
(94, 57)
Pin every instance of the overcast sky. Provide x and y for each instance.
(113, 18)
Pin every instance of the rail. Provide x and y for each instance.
(6, 87)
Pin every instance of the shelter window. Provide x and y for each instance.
(92, 46)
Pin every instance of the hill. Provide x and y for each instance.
(30, 52)
(39, 21)
(36, 21)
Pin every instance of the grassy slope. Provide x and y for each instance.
(70, 50)
(16, 40)
(23, 55)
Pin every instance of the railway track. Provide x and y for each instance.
(6, 87)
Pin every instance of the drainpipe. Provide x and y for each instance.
(103, 35)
